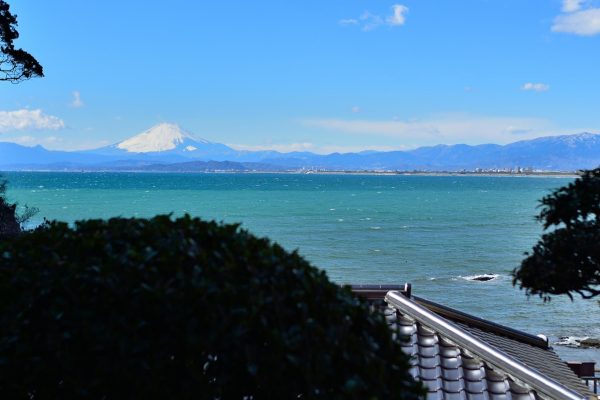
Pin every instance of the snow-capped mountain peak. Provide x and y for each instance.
(162, 137)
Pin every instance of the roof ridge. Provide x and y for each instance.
(491, 355)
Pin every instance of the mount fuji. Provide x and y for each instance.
(167, 142)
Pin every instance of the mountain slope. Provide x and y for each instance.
(14, 154)
(168, 144)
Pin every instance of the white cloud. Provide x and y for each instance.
(571, 5)
(355, 109)
(583, 23)
(77, 102)
(53, 139)
(28, 120)
(398, 17)
(536, 87)
(447, 129)
(349, 21)
(369, 21)
(27, 140)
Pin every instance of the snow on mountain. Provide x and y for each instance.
(162, 137)
(167, 143)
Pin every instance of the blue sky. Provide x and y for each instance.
(335, 75)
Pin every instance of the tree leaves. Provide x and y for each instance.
(163, 308)
(566, 259)
(15, 64)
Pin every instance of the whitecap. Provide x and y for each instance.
(340, 220)
(570, 341)
(376, 228)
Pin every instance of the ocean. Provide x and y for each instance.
(432, 231)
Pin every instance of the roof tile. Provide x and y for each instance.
(452, 372)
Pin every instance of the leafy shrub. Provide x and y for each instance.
(185, 309)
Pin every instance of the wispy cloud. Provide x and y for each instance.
(369, 21)
(355, 109)
(25, 119)
(77, 102)
(576, 20)
(27, 140)
(282, 147)
(446, 129)
(54, 142)
(314, 148)
(536, 87)
(571, 5)
(349, 21)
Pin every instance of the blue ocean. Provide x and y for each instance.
(432, 231)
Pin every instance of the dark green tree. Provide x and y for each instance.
(183, 309)
(11, 222)
(15, 64)
(566, 260)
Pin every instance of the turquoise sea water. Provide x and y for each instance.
(432, 231)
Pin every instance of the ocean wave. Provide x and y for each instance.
(585, 342)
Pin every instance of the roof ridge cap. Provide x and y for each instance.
(494, 356)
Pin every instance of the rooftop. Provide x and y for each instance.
(460, 356)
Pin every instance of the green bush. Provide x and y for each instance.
(183, 309)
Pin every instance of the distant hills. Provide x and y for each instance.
(167, 147)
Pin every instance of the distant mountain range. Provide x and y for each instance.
(167, 147)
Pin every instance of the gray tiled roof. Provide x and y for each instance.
(545, 361)
(449, 371)
(458, 360)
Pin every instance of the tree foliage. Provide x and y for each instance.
(185, 309)
(15, 64)
(11, 222)
(566, 260)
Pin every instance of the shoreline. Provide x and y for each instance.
(541, 174)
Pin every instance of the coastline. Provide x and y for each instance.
(537, 174)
